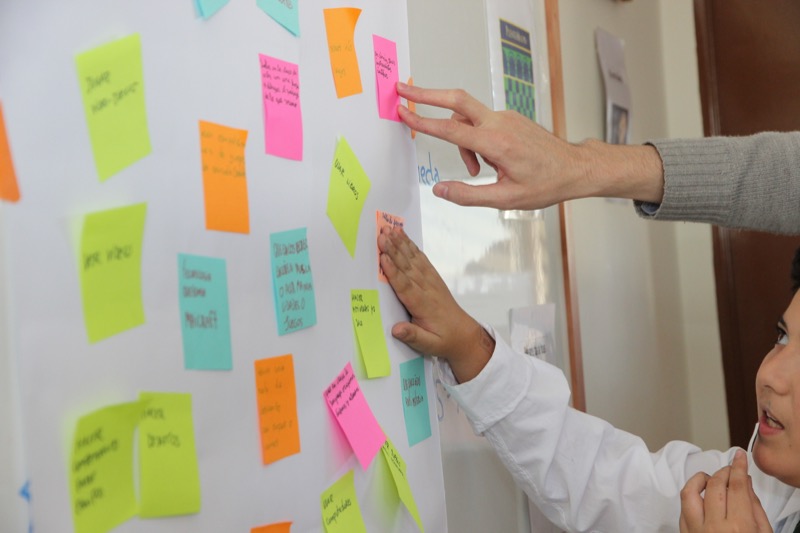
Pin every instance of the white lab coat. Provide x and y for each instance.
(583, 473)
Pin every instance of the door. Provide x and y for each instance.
(749, 60)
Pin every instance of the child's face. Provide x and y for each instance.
(777, 448)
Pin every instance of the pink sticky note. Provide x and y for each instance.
(386, 77)
(383, 219)
(350, 408)
(283, 121)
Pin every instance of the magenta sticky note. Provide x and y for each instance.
(386, 77)
(350, 408)
(283, 121)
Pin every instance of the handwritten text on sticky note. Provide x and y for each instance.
(111, 270)
(224, 179)
(347, 192)
(366, 308)
(169, 474)
(415, 400)
(386, 77)
(340, 27)
(397, 466)
(112, 86)
(340, 510)
(277, 408)
(283, 121)
(284, 12)
(350, 408)
(292, 283)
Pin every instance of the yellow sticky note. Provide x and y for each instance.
(224, 178)
(101, 468)
(340, 510)
(347, 192)
(169, 478)
(282, 527)
(112, 86)
(340, 27)
(9, 190)
(111, 271)
(397, 466)
(366, 309)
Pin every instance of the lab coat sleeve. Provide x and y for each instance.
(584, 474)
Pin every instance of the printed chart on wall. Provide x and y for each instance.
(198, 320)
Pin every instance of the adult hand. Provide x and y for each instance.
(438, 325)
(535, 169)
(729, 504)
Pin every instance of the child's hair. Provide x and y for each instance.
(796, 271)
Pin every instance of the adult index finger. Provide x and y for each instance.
(456, 100)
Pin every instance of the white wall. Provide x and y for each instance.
(652, 362)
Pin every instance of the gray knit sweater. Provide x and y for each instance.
(739, 182)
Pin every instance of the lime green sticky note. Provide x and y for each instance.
(369, 332)
(101, 468)
(168, 475)
(340, 510)
(111, 271)
(112, 86)
(347, 192)
(397, 466)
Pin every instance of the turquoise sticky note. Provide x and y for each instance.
(292, 284)
(285, 13)
(207, 8)
(205, 322)
(415, 400)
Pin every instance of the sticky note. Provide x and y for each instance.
(205, 322)
(208, 8)
(284, 12)
(415, 400)
(340, 510)
(292, 283)
(277, 408)
(224, 178)
(112, 86)
(340, 27)
(386, 77)
(111, 270)
(412, 106)
(9, 188)
(382, 220)
(347, 192)
(283, 121)
(397, 466)
(366, 309)
(169, 478)
(280, 527)
(350, 408)
(101, 468)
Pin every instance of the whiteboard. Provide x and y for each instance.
(197, 69)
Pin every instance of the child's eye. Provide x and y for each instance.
(783, 338)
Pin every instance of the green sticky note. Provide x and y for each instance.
(112, 86)
(168, 474)
(397, 466)
(340, 510)
(368, 325)
(101, 468)
(347, 192)
(111, 270)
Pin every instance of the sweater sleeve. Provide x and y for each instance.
(748, 182)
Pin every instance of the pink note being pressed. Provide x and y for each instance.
(283, 121)
(386, 77)
(350, 408)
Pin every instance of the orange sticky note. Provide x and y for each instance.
(412, 106)
(277, 408)
(224, 179)
(382, 220)
(9, 190)
(282, 527)
(340, 26)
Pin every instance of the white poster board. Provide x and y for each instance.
(196, 69)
